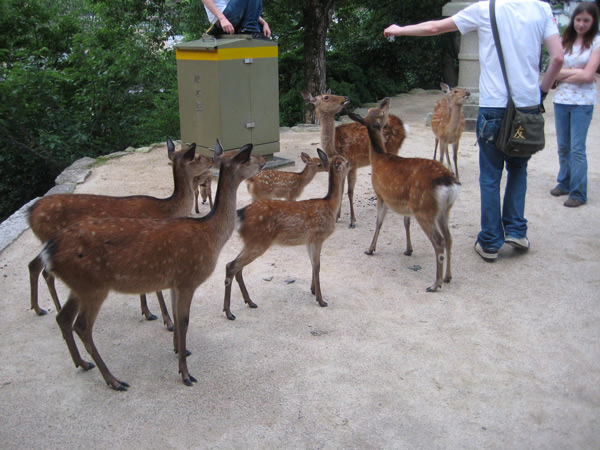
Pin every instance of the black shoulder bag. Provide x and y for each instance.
(522, 130)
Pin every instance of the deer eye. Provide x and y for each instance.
(326, 97)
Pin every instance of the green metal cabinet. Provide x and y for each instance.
(228, 89)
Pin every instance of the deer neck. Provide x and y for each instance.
(336, 187)
(306, 176)
(455, 115)
(221, 218)
(181, 200)
(328, 134)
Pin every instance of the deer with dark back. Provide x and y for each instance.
(351, 140)
(306, 222)
(448, 122)
(275, 184)
(418, 187)
(53, 212)
(95, 256)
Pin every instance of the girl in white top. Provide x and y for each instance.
(574, 102)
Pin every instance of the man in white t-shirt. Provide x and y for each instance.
(523, 25)
(236, 16)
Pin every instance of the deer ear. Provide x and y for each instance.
(190, 153)
(328, 91)
(243, 155)
(323, 156)
(357, 118)
(445, 88)
(170, 147)
(308, 97)
(218, 153)
(304, 157)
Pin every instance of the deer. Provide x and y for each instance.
(53, 212)
(274, 184)
(203, 189)
(351, 139)
(418, 187)
(97, 255)
(306, 222)
(448, 122)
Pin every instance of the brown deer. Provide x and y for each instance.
(306, 222)
(418, 187)
(448, 122)
(54, 212)
(351, 139)
(203, 189)
(95, 256)
(273, 184)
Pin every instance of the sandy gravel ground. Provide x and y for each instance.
(504, 356)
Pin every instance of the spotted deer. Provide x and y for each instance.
(351, 139)
(53, 212)
(95, 256)
(306, 222)
(448, 122)
(418, 187)
(203, 189)
(275, 184)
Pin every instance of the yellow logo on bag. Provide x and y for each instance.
(519, 133)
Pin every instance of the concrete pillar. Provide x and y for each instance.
(468, 65)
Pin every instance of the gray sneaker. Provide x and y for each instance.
(487, 255)
(520, 243)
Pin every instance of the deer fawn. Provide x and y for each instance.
(448, 122)
(418, 187)
(54, 212)
(306, 222)
(273, 184)
(203, 189)
(351, 139)
(95, 256)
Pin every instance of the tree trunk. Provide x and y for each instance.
(317, 17)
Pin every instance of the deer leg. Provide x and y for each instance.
(49, 279)
(234, 269)
(314, 251)
(443, 226)
(435, 148)
(381, 212)
(431, 231)
(182, 319)
(145, 311)
(209, 193)
(65, 319)
(409, 248)
(84, 325)
(164, 311)
(35, 268)
(455, 157)
(196, 193)
(351, 184)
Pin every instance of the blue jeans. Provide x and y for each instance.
(572, 124)
(244, 15)
(497, 222)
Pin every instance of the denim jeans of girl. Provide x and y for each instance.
(498, 221)
(244, 15)
(572, 124)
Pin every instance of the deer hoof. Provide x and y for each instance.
(352, 225)
(170, 327)
(447, 279)
(432, 288)
(41, 312)
(322, 304)
(230, 316)
(189, 381)
(86, 366)
(151, 317)
(369, 252)
(408, 252)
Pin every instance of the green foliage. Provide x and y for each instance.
(91, 77)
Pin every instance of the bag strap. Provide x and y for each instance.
(497, 42)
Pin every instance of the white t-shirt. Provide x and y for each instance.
(582, 93)
(522, 25)
(221, 4)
